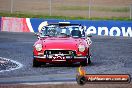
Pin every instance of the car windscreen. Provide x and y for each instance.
(55, 32)
(61, 31)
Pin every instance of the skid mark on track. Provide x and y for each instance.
(9, 65)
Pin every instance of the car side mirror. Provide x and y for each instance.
(37, 34)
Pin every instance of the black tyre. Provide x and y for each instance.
(81, 80)
(36, 63)
(86, 62)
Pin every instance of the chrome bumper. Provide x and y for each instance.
(67, 57)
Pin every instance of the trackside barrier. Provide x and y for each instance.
(103, 28)
(107, 28)
(0, 23)
(12, 24)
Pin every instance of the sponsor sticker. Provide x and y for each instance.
(83, 78)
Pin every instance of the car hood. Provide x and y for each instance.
(62, 43)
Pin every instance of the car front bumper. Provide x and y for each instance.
(68, 59)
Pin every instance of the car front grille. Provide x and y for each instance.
(60, 52)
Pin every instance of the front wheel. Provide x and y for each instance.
(86, 62)
(81, 80)
(36, 63)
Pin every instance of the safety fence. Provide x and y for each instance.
(73, 8)
(0, 23)
(103, 28)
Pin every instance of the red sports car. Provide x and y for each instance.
(61, 43)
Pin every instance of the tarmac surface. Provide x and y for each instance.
(67, 86)
(110, 55)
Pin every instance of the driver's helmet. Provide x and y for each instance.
(76, 33)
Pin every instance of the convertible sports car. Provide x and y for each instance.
(62, 43)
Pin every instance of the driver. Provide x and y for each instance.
(76, 33)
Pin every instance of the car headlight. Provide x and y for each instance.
(81, 48)
(38, 47)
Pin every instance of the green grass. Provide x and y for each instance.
(29, 15)
(95, 8)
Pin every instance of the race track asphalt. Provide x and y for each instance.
(110, 55)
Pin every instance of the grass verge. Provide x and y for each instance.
(29, 15)
(96, 8)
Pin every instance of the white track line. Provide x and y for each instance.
(52, 83)
(19, 65)
(29, 25)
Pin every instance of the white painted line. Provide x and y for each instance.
(18, 67)
(29, 25)
(2, 62)
(54, 83)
